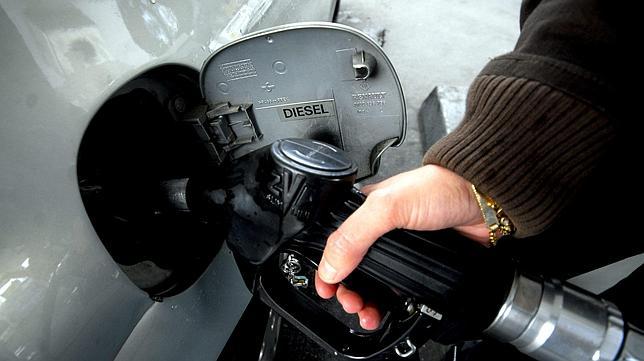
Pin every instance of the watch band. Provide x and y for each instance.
(498, 224)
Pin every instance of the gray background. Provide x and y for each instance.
(431, 43)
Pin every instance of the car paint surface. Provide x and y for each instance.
(62, 297)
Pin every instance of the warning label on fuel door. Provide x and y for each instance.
(307, 110)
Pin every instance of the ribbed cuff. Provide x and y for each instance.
(562, 76)
(526, 145)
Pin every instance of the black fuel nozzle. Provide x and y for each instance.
(283, 202)
(275, 193)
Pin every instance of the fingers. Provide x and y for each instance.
(347, 246)
(368, 314)
(350, 301)
(324, 289)
(369, 317)
(345, 249)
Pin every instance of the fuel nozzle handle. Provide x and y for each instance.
(285, 201)
(450, 281)
(455, 284)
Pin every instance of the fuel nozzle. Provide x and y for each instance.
(281, 190)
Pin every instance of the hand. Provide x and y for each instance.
(424, 199)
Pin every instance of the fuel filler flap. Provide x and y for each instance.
(321, 81)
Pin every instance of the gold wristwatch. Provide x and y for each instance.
(498, 224)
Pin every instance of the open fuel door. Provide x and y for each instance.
(321, 81)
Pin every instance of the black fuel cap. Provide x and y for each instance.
(313, 157)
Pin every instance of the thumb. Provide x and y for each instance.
(346, 247)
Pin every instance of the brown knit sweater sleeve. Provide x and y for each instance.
(535, 124)
(526, 145)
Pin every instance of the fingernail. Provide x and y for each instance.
(364, 323)
(327, 272)
(368, 324)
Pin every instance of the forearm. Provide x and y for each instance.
(536, 123)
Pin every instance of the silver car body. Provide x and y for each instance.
(62, 297)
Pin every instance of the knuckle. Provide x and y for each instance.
(382, 204)
(379, 200)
